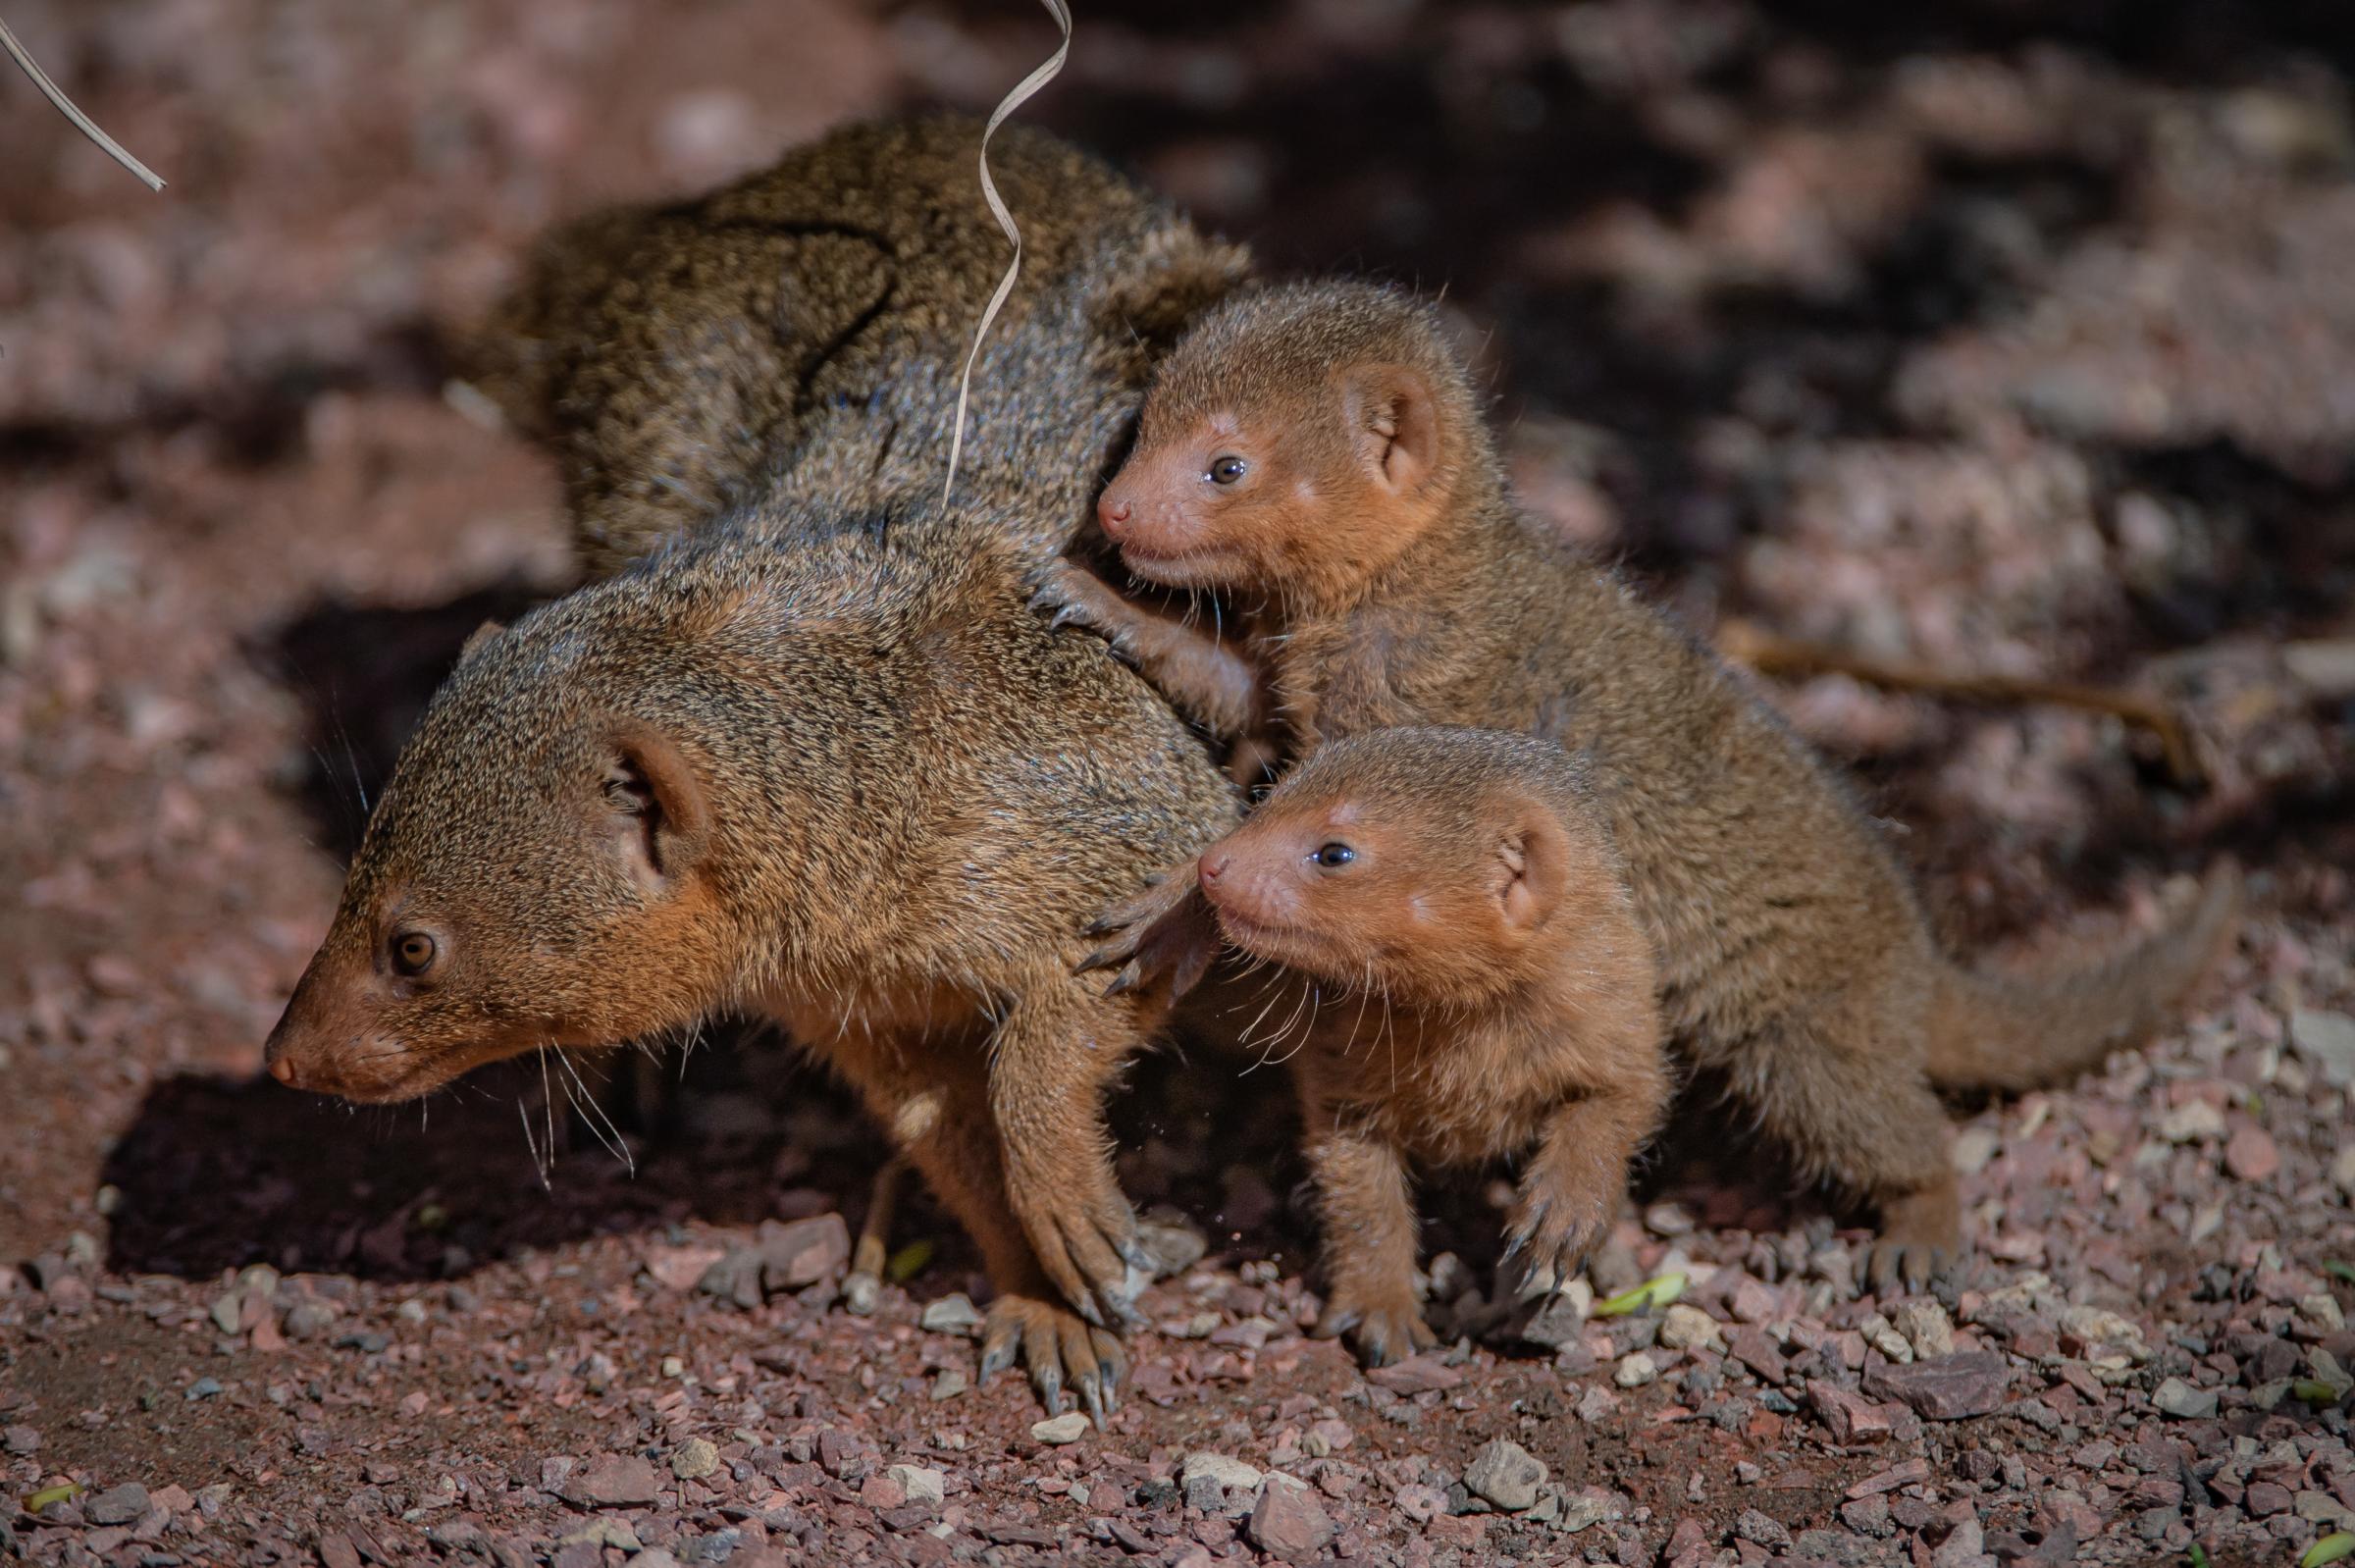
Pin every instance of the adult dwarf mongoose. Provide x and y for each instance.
(812, 760)
(672, 355)
(1319, 451)
(1481, 989)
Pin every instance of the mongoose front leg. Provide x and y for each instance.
(1203, 673)
(1053, 1056)
(1167, 935)
(935, 1103)
(1575, 1182)
(1368, 1243)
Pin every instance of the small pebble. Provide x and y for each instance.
(1069, 1426)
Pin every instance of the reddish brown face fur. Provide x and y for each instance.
(528, 879)
(1366, 881)
(1288, 449)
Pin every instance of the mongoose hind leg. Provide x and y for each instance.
(1370, 1231)
(1054, 1054)
(935, 1102)
(1865, 1119)
(863, 1287)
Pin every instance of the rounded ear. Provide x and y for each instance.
(1534, 857)
(1395, 424)
(479, 639)
(660, 816)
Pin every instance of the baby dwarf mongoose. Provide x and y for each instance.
(806, 754)
(1318, 449)
(1481, 990)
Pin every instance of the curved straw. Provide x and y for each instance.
(82, 122)
(1022, 90)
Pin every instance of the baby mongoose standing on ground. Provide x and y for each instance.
(1481, 989)
(1317, 450)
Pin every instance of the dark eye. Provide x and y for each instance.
(413, 953)
(1226, 470)
(1332, 856)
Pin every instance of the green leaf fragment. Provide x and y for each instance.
(2341, 1270)
(909, 1261)
(44, 1497)
(2314, 1392)
(2335, 1546)
(1655, 1292)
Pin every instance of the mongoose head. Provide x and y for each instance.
(1299, 439)
(536, 874)
(1427, 863)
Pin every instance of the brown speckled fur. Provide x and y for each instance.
(1386, 577)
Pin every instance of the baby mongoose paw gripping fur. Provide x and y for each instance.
(1069, 595)
(1382, 1327)
(1060, 1353)
(1166, 934)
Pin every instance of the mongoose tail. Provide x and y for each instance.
(1993, 1031)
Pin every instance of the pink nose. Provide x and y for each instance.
(1112, 515)
(1213, 867)
(282, 1070)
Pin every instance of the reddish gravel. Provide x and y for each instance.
(1946, 334)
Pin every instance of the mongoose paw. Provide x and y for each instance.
(1069, 595)
(1380, 1331)
(1894, 1266)
(1546, 1244)
(1921, 1233)
(1168, 934)
(1088, 1248)
(1058, 1350)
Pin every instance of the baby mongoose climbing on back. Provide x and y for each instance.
(1480, 990)
(1318, 452)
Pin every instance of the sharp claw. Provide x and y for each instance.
(1102, 925)
(1100, 959)
(1514, 1245)
(1126, 981)
(1049, 1384)
(1085, 1305)
(1091, 1398)
(995, 1359)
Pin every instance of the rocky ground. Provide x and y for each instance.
(1999, 337)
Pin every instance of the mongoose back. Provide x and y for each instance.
(669, 354)
(806, 754)
(1482, 990)
(1319, 451)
